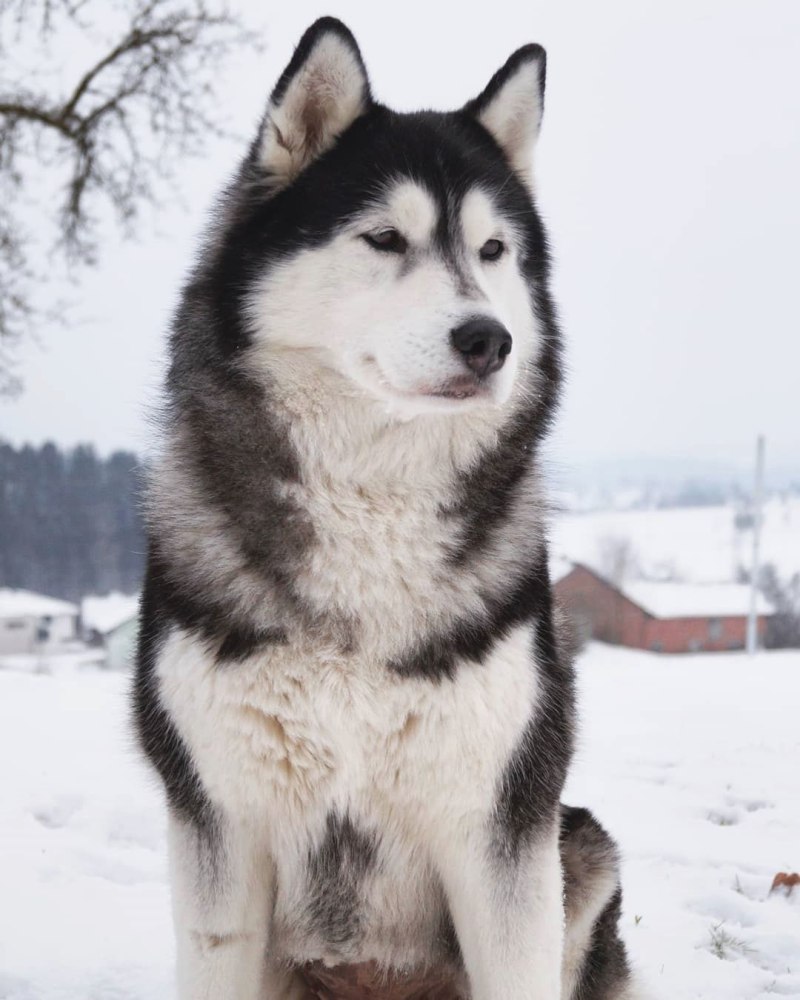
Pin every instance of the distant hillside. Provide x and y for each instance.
(648, 482)
(699, 544)
(69, 521)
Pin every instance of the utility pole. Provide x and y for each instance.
(758, 489)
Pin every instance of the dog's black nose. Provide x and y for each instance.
(484, 344)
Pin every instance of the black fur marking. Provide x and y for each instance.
(241, 467)
(206, 856)
(448, 939)
(579, 823)
(242, 642)
(336, 871)
(473, 639)
(448, 241)
(186, 606)
(156, 731)
(534, 777)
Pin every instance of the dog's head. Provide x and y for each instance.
(402, 252)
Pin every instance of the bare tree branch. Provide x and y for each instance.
(112, 138)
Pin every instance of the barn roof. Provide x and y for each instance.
(674, 599)
(694, 600)
(26, 604)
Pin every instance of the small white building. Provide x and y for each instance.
(113, 623)
(33, 623)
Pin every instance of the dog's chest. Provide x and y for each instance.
(382, 558)
(298, 732)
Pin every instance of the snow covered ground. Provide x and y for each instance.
(691, 761)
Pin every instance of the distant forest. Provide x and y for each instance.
(70, 523)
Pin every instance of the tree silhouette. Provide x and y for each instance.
(107, 139)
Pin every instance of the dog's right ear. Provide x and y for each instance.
(320, 94)
(510, 107)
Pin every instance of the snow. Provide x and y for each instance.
(26, 604)
(690, 761)
(104, 614)
(701, 600)
(699, 544)
(76, 657)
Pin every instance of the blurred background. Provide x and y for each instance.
(667, 172)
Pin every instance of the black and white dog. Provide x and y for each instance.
(350, 678)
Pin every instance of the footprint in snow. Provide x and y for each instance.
(58, 813)
(726, 816)
(749, 805)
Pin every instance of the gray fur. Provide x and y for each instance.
(336, 871)
(333, 559)
(590, 861)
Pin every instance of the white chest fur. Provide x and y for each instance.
(376, 493)
(379, 560)
(293, 733)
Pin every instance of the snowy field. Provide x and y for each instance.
(692, 762)
(700, 544)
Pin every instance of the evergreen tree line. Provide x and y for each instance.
(70, 522)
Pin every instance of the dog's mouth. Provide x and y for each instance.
(455, 389)
(461, 387)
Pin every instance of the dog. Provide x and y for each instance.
(351, 678)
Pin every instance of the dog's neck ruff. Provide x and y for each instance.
(341, 434)
(326, 522)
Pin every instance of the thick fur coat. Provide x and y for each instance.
(350, 678)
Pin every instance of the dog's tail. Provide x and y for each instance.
(595, 962)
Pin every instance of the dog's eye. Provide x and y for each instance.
(388, 240)
(492, 250)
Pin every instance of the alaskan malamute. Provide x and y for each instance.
(350, 677)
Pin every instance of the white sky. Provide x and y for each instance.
(668, 170)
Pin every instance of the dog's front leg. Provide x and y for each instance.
(222, 885)
(507, 908)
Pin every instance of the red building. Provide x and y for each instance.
(664, 617)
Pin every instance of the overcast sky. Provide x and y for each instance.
(668, 173)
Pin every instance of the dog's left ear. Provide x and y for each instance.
(320, 94)
(511, 106)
